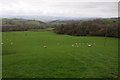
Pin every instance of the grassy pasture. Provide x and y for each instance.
(24, 56)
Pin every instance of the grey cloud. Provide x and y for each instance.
(69, 8)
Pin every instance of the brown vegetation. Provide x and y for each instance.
(89, 28)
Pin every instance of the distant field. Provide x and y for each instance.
(44, 54)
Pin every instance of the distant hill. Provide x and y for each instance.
(111, 20)
(63, 22)
(48, 18)
(21, 24)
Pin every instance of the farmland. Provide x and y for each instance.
(65, 56)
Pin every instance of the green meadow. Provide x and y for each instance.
(44, 54)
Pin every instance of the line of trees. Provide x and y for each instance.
(20, 28)
(89, 28)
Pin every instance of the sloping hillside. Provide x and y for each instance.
(21, 24)
(64, 21)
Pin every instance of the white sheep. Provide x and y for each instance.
(45, 46)
(11, 43)
(89, 45)
(77, 46)
(72, 45)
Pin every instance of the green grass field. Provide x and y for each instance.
(25, 56)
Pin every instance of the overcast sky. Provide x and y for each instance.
(60, 8)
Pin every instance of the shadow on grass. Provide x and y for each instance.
(8, 52)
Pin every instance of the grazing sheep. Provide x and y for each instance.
(89, 45)
(11, 43)
(72, 45)
(45, 46)
(77, 46)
